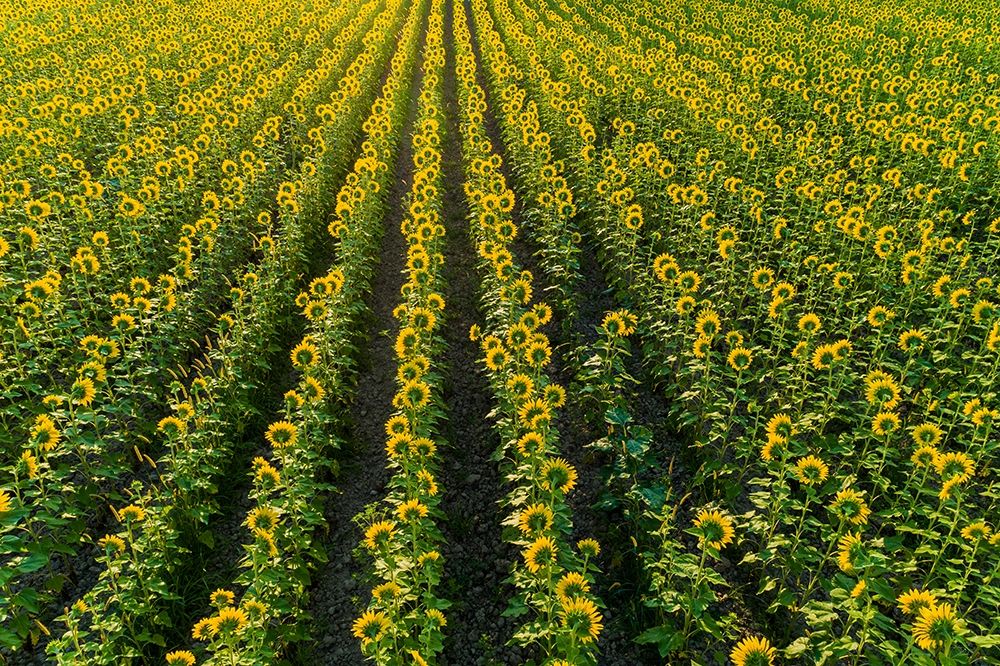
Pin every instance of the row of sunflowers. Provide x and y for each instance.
(818, 299)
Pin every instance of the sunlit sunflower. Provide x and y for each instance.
(912, 601)
(540, 554)
(581, 616)
(715, 529)
(937, 626)
(282, 434)
(753, 651)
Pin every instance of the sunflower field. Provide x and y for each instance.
(499, 332)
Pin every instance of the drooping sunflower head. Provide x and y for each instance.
(132, 514)
(204, 630)
(386, 592)
(113, 545)
(312, 389)
(422, 446)
(83, 391)
(44, 434)
(781, 427)
(172, 427)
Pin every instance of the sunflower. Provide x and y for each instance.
(753, 651)
(850, 551)
(740, 358)
(879, 316)
(976, 531)
(386, 592)
(912, 340)
(885, 423)
(282, 434)
(811, 470)
(28, 464)
(540, 554)
(850, 505)
(824, 357)
(954, 466)
(538, 354)
(5, 502)
(222, 598)
(881, 390)
(535, 519)
(83, 392)
(715, 530)
(204, 630)
(531, 444)
(580, 616)
(172, 427)
(912, 601)
(701, 347)
(371, 626)
(112, 544)
(312, 389)
(229, 621)
(304, 355)
(588, 547)
(927, 434)
(571, 586)
(131, 514)
(397, 425)
(780, 427)
(554, 395)
(762, 278)
(262, 518)
(535, 414)
(44, 433)
(558, 474)
(937, 626)
(435, 618)
(411, 511)
(427, 483)
(708, 324)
